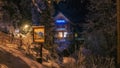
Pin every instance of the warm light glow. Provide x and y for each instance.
(76, 35)
(60, 34)
(26, 26)
(49, 1)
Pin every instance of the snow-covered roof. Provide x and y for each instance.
(61, 16)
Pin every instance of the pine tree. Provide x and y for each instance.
(102, 24)
(42, 14)
(18, 11)
(46, 19)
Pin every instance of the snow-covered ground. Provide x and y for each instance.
(13, 57)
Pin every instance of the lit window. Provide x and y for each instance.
(60, 34)
(65, 34)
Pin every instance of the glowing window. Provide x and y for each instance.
(60, 34)
(65, 34)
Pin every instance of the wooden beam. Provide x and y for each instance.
(118, 32)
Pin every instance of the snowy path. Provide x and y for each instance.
(19, 57)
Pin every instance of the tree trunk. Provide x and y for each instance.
(118, 32)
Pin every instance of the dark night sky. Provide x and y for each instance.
(74, 10)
